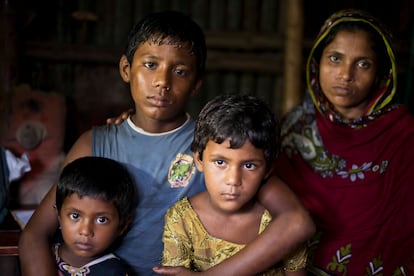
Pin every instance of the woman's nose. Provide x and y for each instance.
(347, 72)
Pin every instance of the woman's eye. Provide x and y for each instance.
(74, 216)
(102, 220)
(334, 58)
(364, 64)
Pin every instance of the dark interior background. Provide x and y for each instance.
(73, 47)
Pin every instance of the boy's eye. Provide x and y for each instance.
(101, 220)
(74, 216)
(219, 162)
(149, 64)
(180, 72)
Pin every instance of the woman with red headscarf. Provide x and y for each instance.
(348, 152)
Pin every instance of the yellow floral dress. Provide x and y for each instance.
(187, 243)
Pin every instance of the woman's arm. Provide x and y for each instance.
(35, 253)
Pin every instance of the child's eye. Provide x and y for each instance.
(180, 72)
(101, 220)
(74, 216)
(149, 64)
(250, 166)
(219, 162)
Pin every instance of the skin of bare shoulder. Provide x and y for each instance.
(81, 148)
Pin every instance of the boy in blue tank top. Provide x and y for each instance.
(164, 65)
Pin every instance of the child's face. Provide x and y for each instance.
(348, 71)
(89, 226)
(162, 80)
(232, 176)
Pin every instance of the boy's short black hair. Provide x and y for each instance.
(238, 118)
(98, 177)
(169, 27)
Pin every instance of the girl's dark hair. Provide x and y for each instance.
(377, 43)
(237, 118)
(169, 27)
(98, 177)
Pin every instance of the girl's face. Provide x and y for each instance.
(348, 71)
(89, 226)
(232, 176)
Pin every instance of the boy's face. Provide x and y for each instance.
(232, 176)
(89, 226)
(162, 79)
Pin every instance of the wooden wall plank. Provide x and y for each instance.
(292, 87)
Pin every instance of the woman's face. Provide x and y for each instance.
(348, 71)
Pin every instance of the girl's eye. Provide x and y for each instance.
(74, 216)
(250, 166)
(101, 220)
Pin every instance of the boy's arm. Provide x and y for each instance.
(35, 253)
(34, 250)
(291, 226)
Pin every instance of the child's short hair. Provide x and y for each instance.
(169, 27)
(238, 118)
(101, 178)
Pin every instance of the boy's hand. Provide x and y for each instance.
(119, 119)
(173, 270)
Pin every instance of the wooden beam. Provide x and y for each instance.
(217, 59)
(293, 54)
(244, 41)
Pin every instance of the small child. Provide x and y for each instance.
(235, 143)
(94, 200)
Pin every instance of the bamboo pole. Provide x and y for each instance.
(293, 54)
